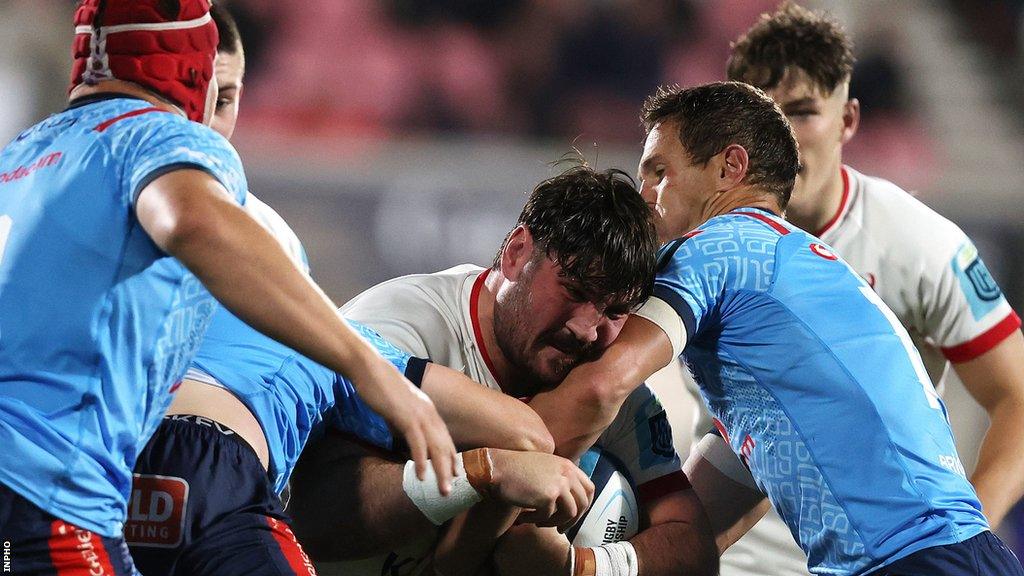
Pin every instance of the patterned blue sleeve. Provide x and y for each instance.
(690, 278)
(171, 143)
(351, 415)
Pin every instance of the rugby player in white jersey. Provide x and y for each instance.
(221, 446)
(920, 264)
(568, 274)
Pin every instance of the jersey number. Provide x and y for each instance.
(5, 231)
(915, 357)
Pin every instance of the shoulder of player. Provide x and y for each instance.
(898, 224)
(167, 128)
(728, 234)
(413, 298)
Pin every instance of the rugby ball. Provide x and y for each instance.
(614, 514)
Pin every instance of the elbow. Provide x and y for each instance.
(531, 435)
(540, 441)
(604, 394)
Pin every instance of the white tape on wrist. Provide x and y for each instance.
(616, 559)
(426, 496)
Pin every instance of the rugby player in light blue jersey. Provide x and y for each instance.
(813, 382)
(97, 322)
(205, 497)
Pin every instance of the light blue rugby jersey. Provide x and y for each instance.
(97, 324)
(817, 387)
(291, 396)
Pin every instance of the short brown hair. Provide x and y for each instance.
(713, 116)
(230, 40)
(792, 36)
(598, 229)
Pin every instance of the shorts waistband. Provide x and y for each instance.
(212, 425)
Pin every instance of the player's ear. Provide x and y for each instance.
(517, 252)
(851, 119)
(733, 167)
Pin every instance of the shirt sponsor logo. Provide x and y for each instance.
(746, 449)
(23, 171)
(156, 512)
(952, 463)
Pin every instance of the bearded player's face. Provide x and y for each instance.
(546, 324)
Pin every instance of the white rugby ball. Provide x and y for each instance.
(614, 514)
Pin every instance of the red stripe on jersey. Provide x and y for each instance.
(474, 316)
(778, 227)
(109, 123)
(77, 552)
(721, 428)
(985, 342)
(692, 233)
(297, 559)
(842, 203)
(663, 486)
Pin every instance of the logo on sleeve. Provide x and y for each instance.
(823, 251)
(979, 288)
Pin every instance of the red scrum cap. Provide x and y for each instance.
(167, 46)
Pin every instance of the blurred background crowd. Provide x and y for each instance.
(400, 136)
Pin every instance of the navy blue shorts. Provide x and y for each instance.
(37, 543)
(982, 555)
(203, 505)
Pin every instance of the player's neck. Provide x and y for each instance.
(126, 88)
(747, 197)
(499, 365)
(812, 210)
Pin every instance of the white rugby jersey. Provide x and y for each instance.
(435, 316)
(278, 228)
(930, 274)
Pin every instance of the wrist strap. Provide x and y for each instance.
(583, 562)
(425, 495)
(479, 470)
(615, 559)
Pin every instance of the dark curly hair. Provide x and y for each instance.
(598, 229)
(792, 36)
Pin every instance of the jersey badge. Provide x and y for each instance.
(661, 435)
(823, 251)
(980, 289)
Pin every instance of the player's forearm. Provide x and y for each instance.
(347, 504)
(675, 548)
(467, 545)
(527, 550)
(999, 475)
(593, 392)
(478, 416)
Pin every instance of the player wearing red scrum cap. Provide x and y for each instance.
(98, 323)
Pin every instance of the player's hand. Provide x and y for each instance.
(554, 491)
(410, 412)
